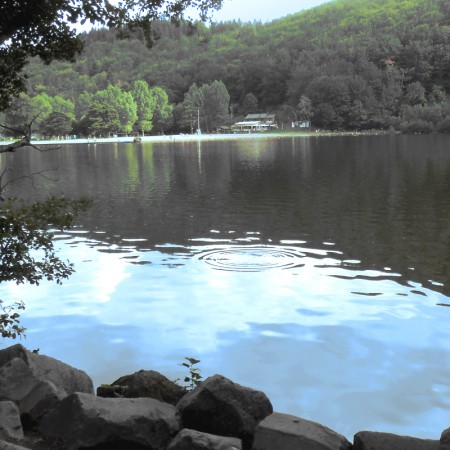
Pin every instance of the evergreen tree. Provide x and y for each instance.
(250, 104)
(216, 105)
(192, 108)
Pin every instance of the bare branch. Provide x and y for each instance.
(25, 141)
(31, 176)
(11, 129)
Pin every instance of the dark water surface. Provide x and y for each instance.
(314, 269)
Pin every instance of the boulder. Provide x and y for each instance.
(84, 420)
(219, 406)
(371, 440)
(16, 380)
(10, 425)
(4, 445)
(42, 398)
(196, 440)
(145, 383)
(283, 431)
(21, 370)
(445, 440)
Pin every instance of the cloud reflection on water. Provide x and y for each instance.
(311, 336)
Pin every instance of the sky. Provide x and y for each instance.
(264, 10)
(250, 10)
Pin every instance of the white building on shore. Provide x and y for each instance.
(255, 123)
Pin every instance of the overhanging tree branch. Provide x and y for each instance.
(25, 141)
(3, 184)
(47, 29)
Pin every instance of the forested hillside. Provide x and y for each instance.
(348, 64)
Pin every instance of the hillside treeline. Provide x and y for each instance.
(348, 64)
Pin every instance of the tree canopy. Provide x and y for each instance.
(27, 252)
(47, 29)
(357, 64)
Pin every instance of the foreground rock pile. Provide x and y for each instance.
(46, 404)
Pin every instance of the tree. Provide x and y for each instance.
(250, 104)
(47, 29)
(27, 253)
(304, 110)
(25, 135)
(56, 124)
(192, 107)
(216, 105)
(24, 229)
(146, 103)
(123, 103)
(64, 106)
(287, 115)
(415, 94)
(20, 112)
(437, 95)
(101, 119)
(82, 104)
(162, 116)
(42, 107)
(31, 28)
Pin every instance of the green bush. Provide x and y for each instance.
(444, 125)
(416, 126)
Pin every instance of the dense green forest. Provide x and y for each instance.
(345, 65)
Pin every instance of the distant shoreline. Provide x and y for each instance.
(168, 138)
(201, 137)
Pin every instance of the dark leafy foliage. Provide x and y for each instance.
(360, 62)
(46, 29)
(194, 378)
(27, 251)
(9, 320)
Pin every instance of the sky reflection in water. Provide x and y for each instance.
(308, 268)
(323, 337)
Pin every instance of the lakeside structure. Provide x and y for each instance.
(255, 123)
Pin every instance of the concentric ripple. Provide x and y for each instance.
(252, 258)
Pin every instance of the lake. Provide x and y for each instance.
(313, 268)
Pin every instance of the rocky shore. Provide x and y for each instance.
(47, 404)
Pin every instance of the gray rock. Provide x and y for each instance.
(196, 440)
(16, 380)
(219, 406)
(21, 370)
(445, 440)
(83, 421)
(145, 383)
(14, 351)
(61, 374)
(371, 440)
(4, 445)
(283, 431)
(10, 425)
(39, 401)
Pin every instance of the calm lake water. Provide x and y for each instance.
(314, 269)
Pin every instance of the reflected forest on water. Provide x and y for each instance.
(312, 268)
